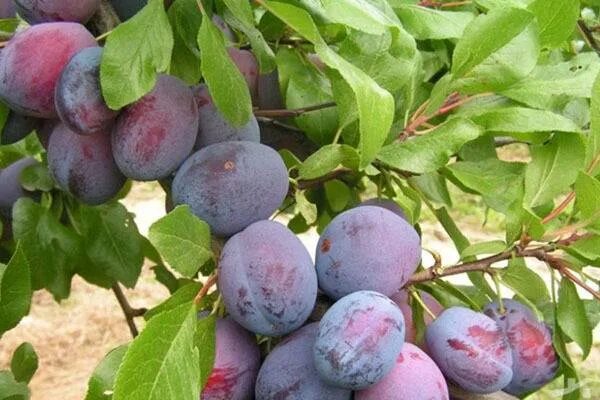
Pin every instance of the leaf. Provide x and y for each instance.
(556, 20)
(362, 15)
(524, 281)
(205, 341)
(227, 86)
(24, 363)
(101, 383)
(553, 168)
(183, 295)
(306, 208)
(521, 119)
(185, 60)
(434, 187)
(162, 362)
(337, 194)
(425, 23)
(326, 159)
(37, 177)
(491, 247)
(587, 197)
(10, 389)
(15, 290)
(572, 317)
(593, 139)
(183, 240)
(430, 152)
(133, 55)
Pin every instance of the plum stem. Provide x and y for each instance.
(129, 312)
(210, 282)
(497, 282)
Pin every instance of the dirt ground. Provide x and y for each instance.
(73, 336)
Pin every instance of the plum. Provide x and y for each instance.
(37, 11)
(232, 184)
(387, 204)
(248, 66)
(10, 185)
(415, 376)
(214, 128)
(237, 360)
(366, 248)
(402, 300)
(470, 349)
(18, 126)
(126, 9)
(534, 360)
(32, 62)
(359, 339)
(288, 372)
(78, 96)
(267, 279)
(269, 92)
(154, 135)
(84, 165)
(7, 9)
(45, 130)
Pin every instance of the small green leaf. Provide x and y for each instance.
(102, 381)
(491, 247)
(587, 199)
(524, 281)
(133, 55)
(184, 294)
(427, 23)
(521, 119)
(326, 159)
(430, 152)
(15, 290)
(37, 177)
(306, 208)
(556, 20)
(338, 194)
(162, 362)
(593, 138)
(572, 317)
(10, 389)
(205, 341)
(185, 60)
(183, 240)
(24, 363)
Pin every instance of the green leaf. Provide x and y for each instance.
(166, 277)
(572, 317)
(306, 208)
(491, 247)
(524, 281)
(361, 15)
(102, 381)
(162, 362)
(183, 240)
(430, 152)
(434, 187)
(183, 295)
(225, 82)
(556, 20)
(205, 340)
(521, 119)
(15, 290)
(133, 55)
(10, 389)
(427, 23)
(593, 138)
(553, 168)
(326, 159)
(37, 177)
(338, 194)
(587, 199)
(24, 363)
(185, 60)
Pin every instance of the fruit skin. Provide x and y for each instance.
(387, 204)
(415, 376)
(470, 350)
(84, 165)
(37, 11)
(288, 372)
(154, 135)
(269, 92)
(214, 128)
(18, 126)
(10, 185)
(267, 279)
(534, 359)
(366, 248)
(401, 298)
(222, 182)
(237, 360)
(7, 9)
(32, 62)
(359, 339)
(78, 96)
(248, 66)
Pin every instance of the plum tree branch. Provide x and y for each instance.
(210, 282)
(129, 312)
(295, 112)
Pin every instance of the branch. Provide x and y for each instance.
(130, 313)
(310, 183)
(588, 36)
(210, 282)
(284, 113)
(433, 4)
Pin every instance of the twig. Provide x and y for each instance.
(429, 3)
(562, 267)
(280, 124)
(588, 36)
(210, 282)
(284, 113)
(310, 183)
(130, 313)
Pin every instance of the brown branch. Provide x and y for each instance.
(563, 268)
(129, 312)
(435, 4)
(588, 36)
(310, 183)
(210, 282)
(284, 113)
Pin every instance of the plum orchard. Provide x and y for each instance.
(245, 110)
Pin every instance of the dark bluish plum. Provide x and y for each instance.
(470, 349)
(154, 135)
(232, 184)
(415, 376)
(267, 279)
(534, 360)
(10, 185)
(269, 92)
(214, 128)
(359, 339)
(248, 66)
(32, 62)
(366, 248)
(84, 165)
(45, 130)
(7, 9)
(402, 300)
(18, 126)
(78, 96)
(288, 372)
(237, 360)
(37, 11)
(387, 204)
